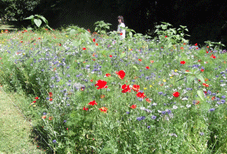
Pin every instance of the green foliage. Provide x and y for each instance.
(37, 20)
(171, 36)
(214, 45)
(101, 27)
(18, 9)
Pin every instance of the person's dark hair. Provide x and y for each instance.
(121, 17)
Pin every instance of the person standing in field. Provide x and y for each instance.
(121, 24)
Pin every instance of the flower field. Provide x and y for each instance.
(93, 93)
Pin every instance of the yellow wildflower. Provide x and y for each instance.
(164, 80)
(175, 70)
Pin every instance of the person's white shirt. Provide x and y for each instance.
(121, 30)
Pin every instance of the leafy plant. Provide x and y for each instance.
(171, 35)
(101, 26)
(216, 45)
(37, 20)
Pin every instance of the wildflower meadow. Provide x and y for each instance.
(93, 92)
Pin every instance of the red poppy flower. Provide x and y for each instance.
(50, 94)
(125, 88)
(133, 106)
(196, 44)
(108, 75)
(213, 98)
(197, 102)
(93, 40)
(85, 108)
(148, 100)
(147, 67)
(121, 74)
(89, 30)
(166, 36)
(36, 97)
(96, 44)
(141, 95)
(91, 80)
(101, 84)
(202, 70)
(176, 94)
(213, 56)
(84, 48)
(140, 59)
(136, 87)
(206, 85)
(182, 62)
(92, 103)
(34, 101)
(50, 99)
(103, 109)
(152, 61)
(110, 55)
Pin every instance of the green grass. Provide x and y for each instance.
(15, 131)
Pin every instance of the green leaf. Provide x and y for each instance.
(122, 54)
(44, 19)
(38, 22)
(30, 17)
(200, 93)
(200, 77)
(135, 67)
(72, 32)
(190, 79)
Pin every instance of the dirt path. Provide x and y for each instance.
(14, 129)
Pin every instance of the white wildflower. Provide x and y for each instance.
(175, 107)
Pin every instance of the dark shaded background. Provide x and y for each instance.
(205, 19)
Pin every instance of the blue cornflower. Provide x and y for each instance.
(141, 118)
(160, 93)
(163, 112)
(65, 121)
(209, 92)
(212, 109)
(153, 117)
(169, 111)
(44, 113)
(54, 141)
